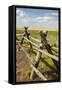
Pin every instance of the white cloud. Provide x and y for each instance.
(47, 18)
(20, 13)
(44, 18)
(54, 14)
(39, 18)
(26, 19)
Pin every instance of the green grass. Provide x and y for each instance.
(52, 37)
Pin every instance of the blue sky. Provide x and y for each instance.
(36, 18)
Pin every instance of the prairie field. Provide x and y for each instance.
(52, 34)
(46, 63)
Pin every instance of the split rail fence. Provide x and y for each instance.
(43, 44)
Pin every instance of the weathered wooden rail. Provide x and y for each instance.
(42, 44)
(37, 48)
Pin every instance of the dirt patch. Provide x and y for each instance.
(23, 68)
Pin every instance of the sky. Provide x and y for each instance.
(36, 18)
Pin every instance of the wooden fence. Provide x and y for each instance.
(43, 44)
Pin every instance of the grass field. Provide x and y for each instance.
(52, 35)
(53, 39)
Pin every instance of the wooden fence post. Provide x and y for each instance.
(27, 35)
(47, 45)
(38, 56)
(22, 39)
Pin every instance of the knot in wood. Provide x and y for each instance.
(34, 62)
(40, 46)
